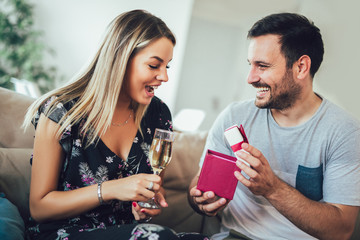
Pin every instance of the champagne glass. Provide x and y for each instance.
(160, 156)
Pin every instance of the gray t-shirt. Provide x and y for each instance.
(320, 158)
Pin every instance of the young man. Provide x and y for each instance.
(304, 153)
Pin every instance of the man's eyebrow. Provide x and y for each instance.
(259, 62)
(262, 62)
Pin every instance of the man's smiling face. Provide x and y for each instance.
(275, 83)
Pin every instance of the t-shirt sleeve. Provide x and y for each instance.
(342, 173)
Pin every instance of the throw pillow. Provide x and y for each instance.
(11, 224)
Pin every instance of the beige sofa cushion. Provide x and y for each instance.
(182, 168)
(13, 108)
(187, 151)
(15, 177)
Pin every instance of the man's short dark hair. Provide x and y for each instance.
(298, 37)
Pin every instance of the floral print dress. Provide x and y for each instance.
(97, 163)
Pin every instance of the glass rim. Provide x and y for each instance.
(163, 130)
(169, 135)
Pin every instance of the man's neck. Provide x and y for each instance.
(299, 113)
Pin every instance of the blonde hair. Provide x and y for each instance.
(98, 88)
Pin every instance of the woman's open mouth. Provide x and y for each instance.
(150, 89)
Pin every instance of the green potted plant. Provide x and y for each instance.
(21, 49)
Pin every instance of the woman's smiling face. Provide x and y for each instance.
(147, 70)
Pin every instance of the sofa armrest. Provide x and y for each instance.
(15, 177)
(13, 107)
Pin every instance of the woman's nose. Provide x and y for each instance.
(162, 76)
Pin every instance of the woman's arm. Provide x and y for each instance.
(46, 203)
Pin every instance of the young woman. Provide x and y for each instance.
(90, 164)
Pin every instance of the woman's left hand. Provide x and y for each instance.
(147, 213)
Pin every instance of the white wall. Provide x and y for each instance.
(215, 66)
(209, 79)
(215, 63)
(338, 78)
(73, 29)
(209, 68)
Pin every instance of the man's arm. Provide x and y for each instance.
(321, 220)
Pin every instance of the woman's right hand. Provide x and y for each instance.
(132, 188)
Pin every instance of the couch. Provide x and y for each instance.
(16, 149)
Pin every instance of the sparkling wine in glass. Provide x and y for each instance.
(160, 156)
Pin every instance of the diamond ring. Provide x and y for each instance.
(151, 185)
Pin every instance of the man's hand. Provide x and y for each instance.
(262, 180)
(319, 219)
(206, 202)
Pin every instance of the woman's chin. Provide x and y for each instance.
(145, 101)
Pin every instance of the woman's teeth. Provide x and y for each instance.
(151, 89)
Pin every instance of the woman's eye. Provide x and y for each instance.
(153, 67)
(167, 66)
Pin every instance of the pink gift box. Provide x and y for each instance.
(217, 174)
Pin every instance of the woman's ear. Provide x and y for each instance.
(302, 67)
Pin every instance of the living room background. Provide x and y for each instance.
(209, 68)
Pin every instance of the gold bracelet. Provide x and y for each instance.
(101, 200)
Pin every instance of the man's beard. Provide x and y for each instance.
(288, 93)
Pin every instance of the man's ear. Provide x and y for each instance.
(302, 67)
